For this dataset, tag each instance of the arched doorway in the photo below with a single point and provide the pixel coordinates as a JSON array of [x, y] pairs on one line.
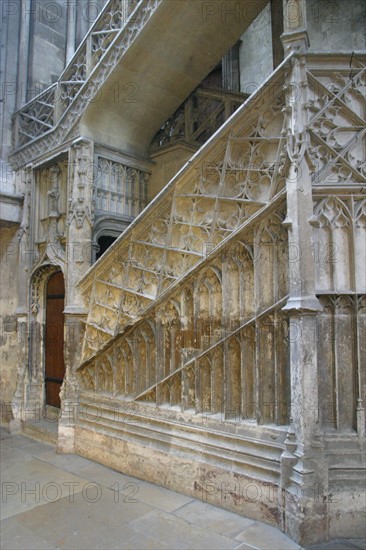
[[54, 338]]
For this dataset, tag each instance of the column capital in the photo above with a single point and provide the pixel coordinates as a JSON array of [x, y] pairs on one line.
[[303, 305]]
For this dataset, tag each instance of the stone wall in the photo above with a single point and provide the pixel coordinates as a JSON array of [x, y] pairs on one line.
[[332, 26], [255, 52], [9, 36], [47, 46], [57, 28], [8, 320], [336, 25]]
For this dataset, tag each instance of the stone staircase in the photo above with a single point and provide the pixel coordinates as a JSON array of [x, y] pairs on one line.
[[190, 358], [141, 301], [43, 113], [223, 186], [188, 283], [99, 77]]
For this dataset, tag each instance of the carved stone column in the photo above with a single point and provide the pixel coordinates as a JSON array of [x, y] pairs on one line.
[[80, 218], [79, 254], [25, 255], [304, 472]]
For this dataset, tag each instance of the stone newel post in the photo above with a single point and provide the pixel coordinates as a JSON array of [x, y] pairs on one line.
[[303, 467]]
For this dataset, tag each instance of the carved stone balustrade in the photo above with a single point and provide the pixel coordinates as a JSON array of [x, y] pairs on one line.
[[198, 118]]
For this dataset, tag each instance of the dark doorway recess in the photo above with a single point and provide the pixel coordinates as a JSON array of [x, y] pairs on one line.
[[104, 243], [55, 367]]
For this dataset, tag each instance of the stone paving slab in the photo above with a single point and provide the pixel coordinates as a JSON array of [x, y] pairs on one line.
[[28, 444], [27, 468], [266, 537], [214, 519], [88, 521], [14, 535], [176, 533], [16, 455], [104, 476], [20, 494], [358, 543], [70, 463], [158, 497], [341, 544], [144, 542], [133, 488]]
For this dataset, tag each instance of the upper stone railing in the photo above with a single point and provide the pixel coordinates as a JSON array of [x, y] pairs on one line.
[[198, 117], [50, 109], [36, 118]]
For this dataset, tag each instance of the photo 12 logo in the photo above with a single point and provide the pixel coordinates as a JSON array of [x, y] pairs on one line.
[[49, 12], [230, 11], [51, 491]]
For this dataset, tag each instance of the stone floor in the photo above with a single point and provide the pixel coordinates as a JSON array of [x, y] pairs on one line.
[[66, 501]]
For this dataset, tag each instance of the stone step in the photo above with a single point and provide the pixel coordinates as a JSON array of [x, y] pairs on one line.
[[51, 414], [43, 429]]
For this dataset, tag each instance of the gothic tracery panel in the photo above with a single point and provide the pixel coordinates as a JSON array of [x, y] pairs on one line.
[[120, 189], [209, 308], [339, 244], [337, 113], [341, 360], [271, 261]]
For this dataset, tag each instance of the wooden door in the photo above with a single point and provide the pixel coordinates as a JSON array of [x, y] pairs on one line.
[[55, 368]]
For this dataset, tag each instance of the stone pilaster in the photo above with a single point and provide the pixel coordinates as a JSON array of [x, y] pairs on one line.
[[79, 255], [25, 257], [74, 330], [304, 473], [23, 64], [80, 219]]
